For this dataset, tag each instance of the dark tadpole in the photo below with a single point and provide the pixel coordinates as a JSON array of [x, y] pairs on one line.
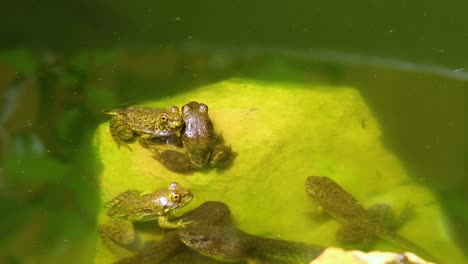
[[170, 249]]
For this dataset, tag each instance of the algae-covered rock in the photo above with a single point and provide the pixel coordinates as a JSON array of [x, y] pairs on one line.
[[283, 133]]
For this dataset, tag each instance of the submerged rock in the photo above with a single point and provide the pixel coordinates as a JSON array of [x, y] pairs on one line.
[[282, 133]]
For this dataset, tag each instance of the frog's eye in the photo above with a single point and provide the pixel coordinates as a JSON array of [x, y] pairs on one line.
[[164, 118], [203, 108], [174, 109], [175, 197]]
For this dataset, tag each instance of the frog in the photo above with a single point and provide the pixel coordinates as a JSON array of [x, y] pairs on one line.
[[202, 146], [360, 224], [144, 122], [135, 206], [170, 248]]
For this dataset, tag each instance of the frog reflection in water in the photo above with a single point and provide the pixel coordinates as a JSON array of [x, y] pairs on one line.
[[202, 146], [134, 206], [148, 123], [360, 224]]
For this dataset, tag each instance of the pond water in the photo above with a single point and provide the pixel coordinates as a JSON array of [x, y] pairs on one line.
[[371, 94], [387, 131]]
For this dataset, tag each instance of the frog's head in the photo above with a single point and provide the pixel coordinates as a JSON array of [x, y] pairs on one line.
[[170, 121], [176, 197], [161, 202], [194, 108]]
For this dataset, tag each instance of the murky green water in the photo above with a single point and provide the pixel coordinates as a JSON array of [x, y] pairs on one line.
[[53, 177], [313, 90]]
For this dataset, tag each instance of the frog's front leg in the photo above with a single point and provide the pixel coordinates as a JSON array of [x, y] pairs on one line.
[[149, 141], [165, 223], [117, 234], [145, 140], [120, 131]]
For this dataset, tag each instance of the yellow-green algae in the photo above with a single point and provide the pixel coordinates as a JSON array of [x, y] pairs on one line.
[[282, 134]]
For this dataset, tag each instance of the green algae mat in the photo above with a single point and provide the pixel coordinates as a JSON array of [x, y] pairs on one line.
[[283, 133]]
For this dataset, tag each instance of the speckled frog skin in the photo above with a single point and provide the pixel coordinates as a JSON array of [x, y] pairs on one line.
[[201, 144], [147, 123], [134, 206], [199, 137], [359, 223]]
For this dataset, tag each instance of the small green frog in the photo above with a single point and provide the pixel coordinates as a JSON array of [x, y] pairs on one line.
[[147, 123], [170, 249], [135, 206], [359, 224], [202, 146]]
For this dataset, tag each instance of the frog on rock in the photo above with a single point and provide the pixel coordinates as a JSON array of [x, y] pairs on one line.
[[147, 123], [135, 206], [202, 146]]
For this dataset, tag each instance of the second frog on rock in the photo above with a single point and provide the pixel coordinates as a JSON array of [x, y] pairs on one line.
[[202, 146]]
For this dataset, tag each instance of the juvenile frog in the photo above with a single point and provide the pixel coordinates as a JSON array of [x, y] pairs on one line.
[[359, 223], [202, 146], [147, 123], [170, 249], [134, 206]]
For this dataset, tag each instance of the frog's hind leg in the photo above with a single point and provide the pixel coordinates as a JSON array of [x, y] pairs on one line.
[[118, 235], [120, 132], [222, 157]]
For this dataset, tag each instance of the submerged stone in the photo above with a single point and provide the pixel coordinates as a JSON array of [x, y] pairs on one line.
[[283, 133]]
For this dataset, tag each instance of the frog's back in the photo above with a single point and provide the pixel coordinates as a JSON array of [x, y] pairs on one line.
[[141, 118], [123, 209], [121, 205], [135, 206]]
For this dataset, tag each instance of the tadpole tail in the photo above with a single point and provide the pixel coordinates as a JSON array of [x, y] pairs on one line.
[[405, 244], [283, 251]]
